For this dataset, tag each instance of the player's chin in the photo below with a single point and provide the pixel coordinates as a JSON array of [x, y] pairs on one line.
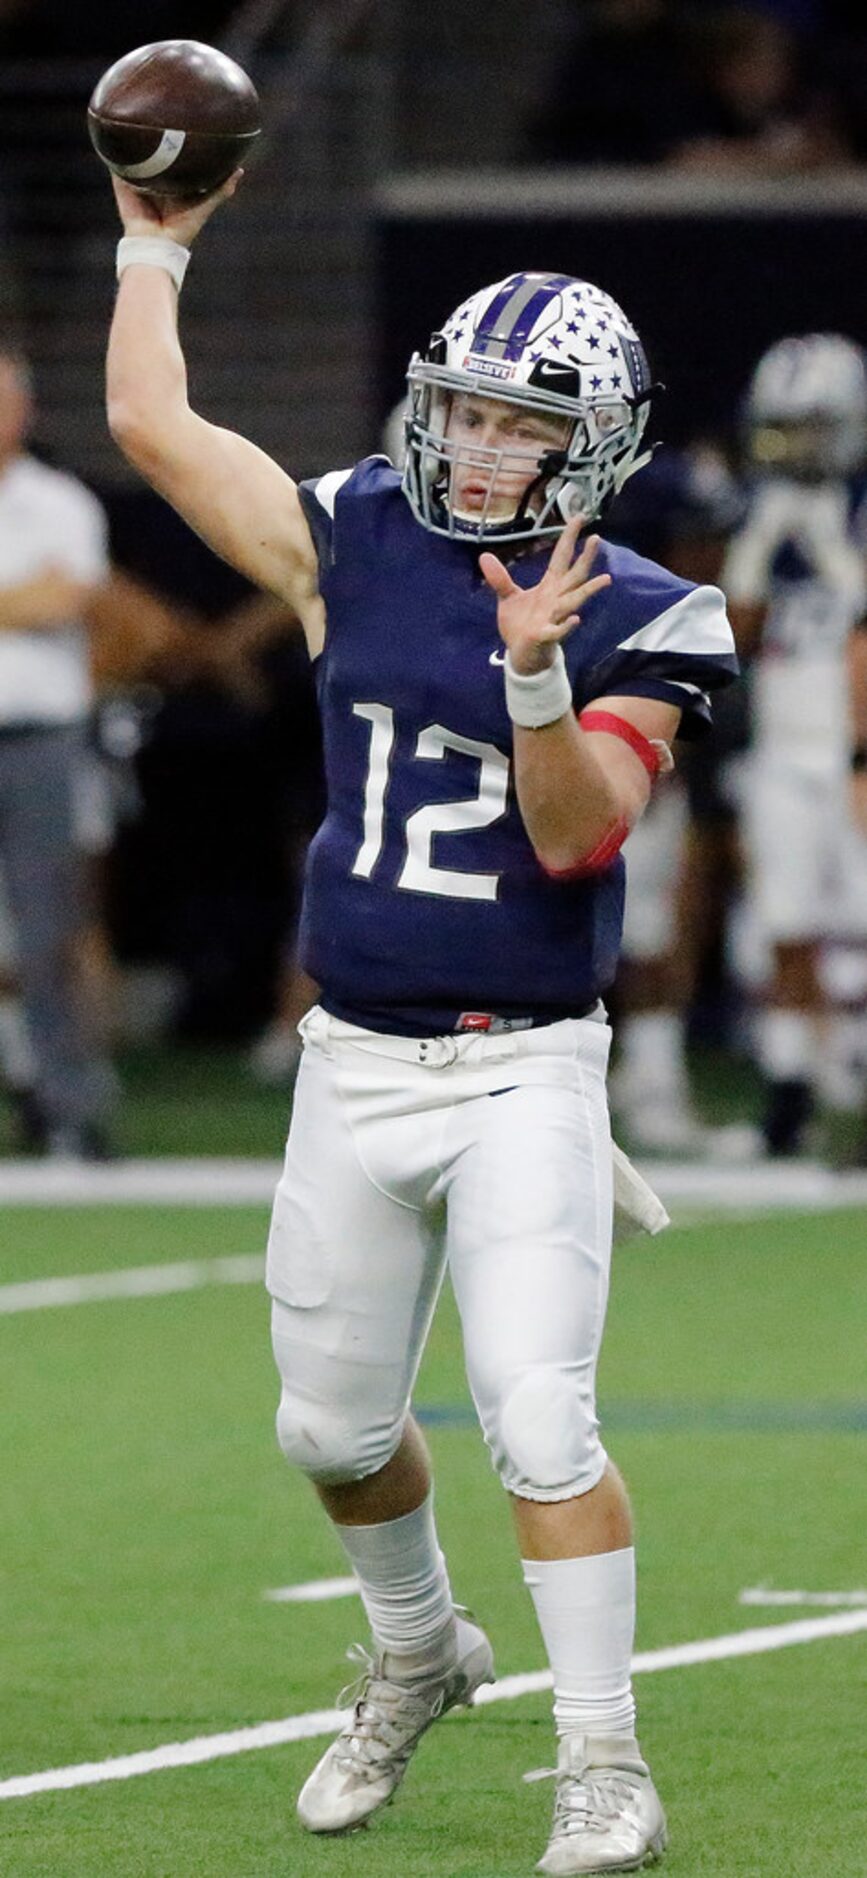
[[495, 505]]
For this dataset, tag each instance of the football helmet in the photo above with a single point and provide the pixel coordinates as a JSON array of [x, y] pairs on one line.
[[558, 346], [806, 409]]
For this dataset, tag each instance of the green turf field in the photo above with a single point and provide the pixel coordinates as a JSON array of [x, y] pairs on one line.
[[145, 1509], [187, 1100]]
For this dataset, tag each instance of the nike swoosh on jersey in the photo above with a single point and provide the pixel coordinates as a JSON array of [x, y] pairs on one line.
[[497, 658]]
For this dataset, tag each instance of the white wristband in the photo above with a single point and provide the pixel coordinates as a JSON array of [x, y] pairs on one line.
[[153, 251], [534, 699]]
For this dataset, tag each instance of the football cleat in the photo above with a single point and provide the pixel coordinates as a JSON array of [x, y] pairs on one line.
[[363, 1768], [607, 1814]]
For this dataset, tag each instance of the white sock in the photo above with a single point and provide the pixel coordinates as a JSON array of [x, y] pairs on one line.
[[586, 1613], [652, 1051], [405, 1590], [787, 1045], [16, 1050]]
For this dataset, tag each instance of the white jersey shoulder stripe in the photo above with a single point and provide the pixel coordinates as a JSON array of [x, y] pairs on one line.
[[327, 489], [697, 624], [694, 693]]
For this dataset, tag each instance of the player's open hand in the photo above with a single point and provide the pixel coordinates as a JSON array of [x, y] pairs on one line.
[[181, 221], [533, 620]]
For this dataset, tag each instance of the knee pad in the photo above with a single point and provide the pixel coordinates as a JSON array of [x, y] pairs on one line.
[[548, 1446], [326, 1446]]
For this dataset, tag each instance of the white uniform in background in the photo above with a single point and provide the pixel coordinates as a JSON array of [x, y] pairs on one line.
[[802, 554], [48, 522], [802, 842], [47, 519], [649, 1088], [698, 501]]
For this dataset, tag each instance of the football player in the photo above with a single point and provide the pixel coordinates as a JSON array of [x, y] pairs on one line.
[[497, 698], [795, 579], [679, 857]]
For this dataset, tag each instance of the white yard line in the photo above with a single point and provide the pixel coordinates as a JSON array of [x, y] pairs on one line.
[[137, 1281], [318, 1591], [767, 1600], [324, 1590], [753, 1187], [195, 1752], [757, 1187], [202, 1182], [744, 1192]]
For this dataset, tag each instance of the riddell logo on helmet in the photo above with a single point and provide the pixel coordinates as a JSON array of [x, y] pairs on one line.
[[488, 368]]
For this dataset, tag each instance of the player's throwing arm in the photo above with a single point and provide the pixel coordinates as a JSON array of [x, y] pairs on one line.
[[230, 492]]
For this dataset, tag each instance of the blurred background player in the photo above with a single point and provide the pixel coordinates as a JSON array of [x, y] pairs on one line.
[[795, 579], [53, 552], [87, 653], [682, 861]]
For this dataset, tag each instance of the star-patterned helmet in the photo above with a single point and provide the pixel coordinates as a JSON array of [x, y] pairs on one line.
[[806, 408], [564, 349]]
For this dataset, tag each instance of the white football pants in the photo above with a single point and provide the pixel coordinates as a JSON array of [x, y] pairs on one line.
[[492, 1152], [808, 860]]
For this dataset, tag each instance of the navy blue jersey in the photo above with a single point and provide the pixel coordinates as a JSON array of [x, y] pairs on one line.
[[424, 898]]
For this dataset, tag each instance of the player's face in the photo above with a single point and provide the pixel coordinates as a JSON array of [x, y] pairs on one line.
[[793, 447], [497, 446]]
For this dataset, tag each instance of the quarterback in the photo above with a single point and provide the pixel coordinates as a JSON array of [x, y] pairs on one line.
[[498, 693]]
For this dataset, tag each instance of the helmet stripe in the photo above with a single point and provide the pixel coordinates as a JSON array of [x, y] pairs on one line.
[[504, 328]]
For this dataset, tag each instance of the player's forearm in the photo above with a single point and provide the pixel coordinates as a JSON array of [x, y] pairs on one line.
[[569, 803], [40, 605], [146, 377], [255, 622]]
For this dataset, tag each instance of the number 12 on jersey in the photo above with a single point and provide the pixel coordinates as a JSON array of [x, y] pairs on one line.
[[418, 874]]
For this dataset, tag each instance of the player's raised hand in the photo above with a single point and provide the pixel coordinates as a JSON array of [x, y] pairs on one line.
[[181, 221], [533, 620]]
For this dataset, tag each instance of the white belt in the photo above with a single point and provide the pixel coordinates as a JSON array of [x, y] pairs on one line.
[[433, 1052], [428, 1052]]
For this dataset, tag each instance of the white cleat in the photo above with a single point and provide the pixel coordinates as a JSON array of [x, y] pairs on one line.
[[607, 1814], [363, 1768]]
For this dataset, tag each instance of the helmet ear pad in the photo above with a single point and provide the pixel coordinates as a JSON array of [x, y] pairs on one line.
[[570, 503]]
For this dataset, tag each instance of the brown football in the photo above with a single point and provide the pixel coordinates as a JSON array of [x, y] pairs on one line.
[[175, 118]]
